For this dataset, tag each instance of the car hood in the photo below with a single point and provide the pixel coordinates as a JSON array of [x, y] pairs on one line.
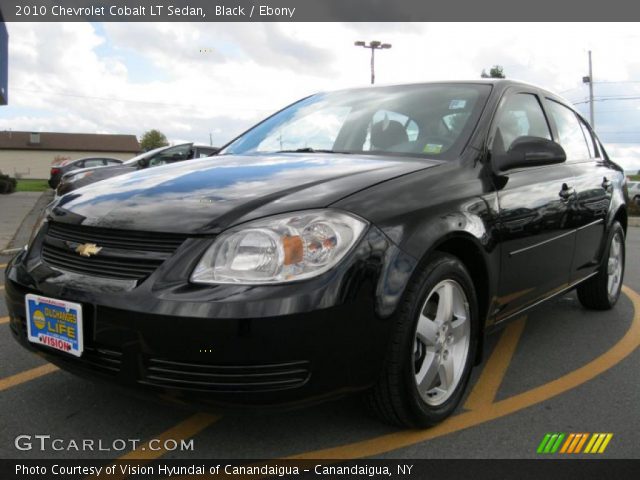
[[208, 195]]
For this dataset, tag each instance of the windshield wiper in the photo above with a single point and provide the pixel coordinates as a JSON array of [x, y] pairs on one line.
[[311, 150]]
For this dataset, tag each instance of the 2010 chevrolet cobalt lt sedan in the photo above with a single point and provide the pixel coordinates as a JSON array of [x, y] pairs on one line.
[[362, 240]]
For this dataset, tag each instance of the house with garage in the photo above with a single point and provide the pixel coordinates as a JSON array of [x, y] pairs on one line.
[[31, 154]]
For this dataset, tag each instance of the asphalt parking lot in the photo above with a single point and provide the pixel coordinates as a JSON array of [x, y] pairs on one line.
[[559, 369]]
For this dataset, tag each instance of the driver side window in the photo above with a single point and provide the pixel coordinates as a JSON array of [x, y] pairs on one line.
[[520, 116]]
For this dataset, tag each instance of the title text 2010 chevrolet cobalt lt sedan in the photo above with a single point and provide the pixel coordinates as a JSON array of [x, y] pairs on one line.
[[361, 240]]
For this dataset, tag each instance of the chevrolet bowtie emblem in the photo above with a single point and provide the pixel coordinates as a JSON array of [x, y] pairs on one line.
[[88, 249]]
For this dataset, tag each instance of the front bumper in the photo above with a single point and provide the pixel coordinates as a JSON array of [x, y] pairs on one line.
[[226, 345]]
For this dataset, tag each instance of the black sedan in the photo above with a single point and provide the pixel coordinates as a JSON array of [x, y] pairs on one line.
[[152, 158], [59, 170], [362, 240]]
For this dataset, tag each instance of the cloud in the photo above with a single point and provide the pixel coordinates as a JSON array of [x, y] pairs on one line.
[[191, 79], [625, 155]]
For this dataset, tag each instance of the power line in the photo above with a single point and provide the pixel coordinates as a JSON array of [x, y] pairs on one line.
[[109, 99], [617, 81], [122, 100], [608, 99], [602, 82], [618, 110]]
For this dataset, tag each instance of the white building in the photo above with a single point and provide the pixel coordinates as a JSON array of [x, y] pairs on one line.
[[30, 155]]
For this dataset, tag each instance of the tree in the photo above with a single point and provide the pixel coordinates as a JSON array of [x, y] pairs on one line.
[[495, 72], [153, 139]]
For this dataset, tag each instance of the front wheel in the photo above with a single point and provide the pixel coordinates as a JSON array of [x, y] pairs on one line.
[[431, 354], [601, 292]]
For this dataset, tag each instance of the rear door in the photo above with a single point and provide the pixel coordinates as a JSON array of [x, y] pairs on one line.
[[536, 239], [593, 184]]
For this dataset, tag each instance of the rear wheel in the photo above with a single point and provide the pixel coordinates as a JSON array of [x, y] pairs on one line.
[[601, 292], [431, 354]]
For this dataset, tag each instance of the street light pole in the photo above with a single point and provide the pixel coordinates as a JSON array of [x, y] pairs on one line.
[[373, 68], [373, 46], [591, 113], [589, 80]]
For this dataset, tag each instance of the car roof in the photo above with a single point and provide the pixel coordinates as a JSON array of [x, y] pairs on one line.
[[93, 158], [500, 84]]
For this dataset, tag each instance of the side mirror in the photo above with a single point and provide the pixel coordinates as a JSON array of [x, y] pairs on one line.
[[529, 152]]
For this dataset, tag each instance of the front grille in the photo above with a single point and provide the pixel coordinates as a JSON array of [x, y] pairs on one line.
[[120, 239], [98, 359], [226, 378], [127, 255], [102, 266]]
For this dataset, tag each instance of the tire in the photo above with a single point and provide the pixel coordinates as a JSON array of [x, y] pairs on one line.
[[601, 292], [411, 357]]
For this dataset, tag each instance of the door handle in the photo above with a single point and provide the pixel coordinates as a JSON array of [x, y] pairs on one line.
[[567, 192], [606, 183]]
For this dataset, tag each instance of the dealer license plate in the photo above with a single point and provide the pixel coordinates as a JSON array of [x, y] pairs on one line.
[[55, 323]]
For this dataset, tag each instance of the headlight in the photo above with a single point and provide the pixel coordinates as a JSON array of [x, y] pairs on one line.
[[280, 249]]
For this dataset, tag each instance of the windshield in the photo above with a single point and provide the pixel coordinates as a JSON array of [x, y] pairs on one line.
[[431, 120]]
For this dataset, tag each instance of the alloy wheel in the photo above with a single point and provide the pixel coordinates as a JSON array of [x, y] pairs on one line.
[[441, 342], [614, 265]]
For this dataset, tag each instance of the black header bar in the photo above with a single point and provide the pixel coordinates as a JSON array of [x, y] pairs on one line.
[[317, 10]]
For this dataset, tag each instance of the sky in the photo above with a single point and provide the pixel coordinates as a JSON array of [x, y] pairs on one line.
[[202, 81]]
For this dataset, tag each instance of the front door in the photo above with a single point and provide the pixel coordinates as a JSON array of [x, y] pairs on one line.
[[536, 237]]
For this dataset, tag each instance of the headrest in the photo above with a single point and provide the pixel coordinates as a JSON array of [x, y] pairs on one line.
[[387, 133]]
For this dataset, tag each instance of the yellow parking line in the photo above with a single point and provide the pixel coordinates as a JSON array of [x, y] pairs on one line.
[[182, 431], [4, 320], [26, 376], [2, 265], [485, 390], [405, 438], [394, 441], [185, 429], [1, 287]]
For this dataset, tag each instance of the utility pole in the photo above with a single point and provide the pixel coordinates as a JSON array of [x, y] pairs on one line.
[[210, 140], [373, 46], [589, 80]]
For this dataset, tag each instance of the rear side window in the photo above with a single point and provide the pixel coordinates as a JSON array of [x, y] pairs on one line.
[[570, 133], [591, 144], [520, 116], [94, 162]]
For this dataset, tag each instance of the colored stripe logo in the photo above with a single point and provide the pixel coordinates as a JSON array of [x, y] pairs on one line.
[[574, 443]]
